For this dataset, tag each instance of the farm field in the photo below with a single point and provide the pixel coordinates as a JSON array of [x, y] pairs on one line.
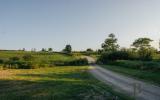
[[56, 83]]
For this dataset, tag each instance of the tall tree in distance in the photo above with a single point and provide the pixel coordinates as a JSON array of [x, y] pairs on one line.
[[43, 50], [143, 47], [110, 44], [68, 49], [50, 49]]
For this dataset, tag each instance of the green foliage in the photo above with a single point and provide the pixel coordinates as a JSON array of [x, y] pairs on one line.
[[89, 51], [113, 56], [1, 61], [144, 49], [142, 43], [140, 65], [146, 75], [50, 49], [14, 58], [110, 44], [27, 57], [19, 59], [67, 49], [43, 50], [76, 62]]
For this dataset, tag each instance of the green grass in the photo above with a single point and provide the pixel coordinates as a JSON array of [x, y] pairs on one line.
[[38, 55], [57, 83], [39, 58], [146, 75]]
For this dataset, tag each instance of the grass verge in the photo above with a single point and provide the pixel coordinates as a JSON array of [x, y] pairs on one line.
[[145, 75]]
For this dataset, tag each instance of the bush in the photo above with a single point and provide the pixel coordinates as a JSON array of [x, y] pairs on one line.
[[141, 65], [25, 65], [27, 57], [76, 62], [113, 56], [1, 61], [18, 64], [146, 54], [14, 58]]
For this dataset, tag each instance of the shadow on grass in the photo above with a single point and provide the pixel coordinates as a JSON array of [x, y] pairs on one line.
[[69, 86]]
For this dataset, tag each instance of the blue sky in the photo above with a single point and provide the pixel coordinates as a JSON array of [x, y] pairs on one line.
[[81, 23]]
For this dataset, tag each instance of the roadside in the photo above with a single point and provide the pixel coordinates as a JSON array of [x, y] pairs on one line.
[[146, 76], [140, 90]]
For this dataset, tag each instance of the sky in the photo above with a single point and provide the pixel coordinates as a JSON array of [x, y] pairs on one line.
[[81, 23]]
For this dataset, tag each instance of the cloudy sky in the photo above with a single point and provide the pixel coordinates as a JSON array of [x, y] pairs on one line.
[[81, 23]]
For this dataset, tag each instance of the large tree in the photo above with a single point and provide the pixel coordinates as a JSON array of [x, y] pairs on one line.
[[143, 47], [110, 44], [142, 43]]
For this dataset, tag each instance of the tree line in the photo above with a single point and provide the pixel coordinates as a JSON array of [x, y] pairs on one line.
[[140, 49]]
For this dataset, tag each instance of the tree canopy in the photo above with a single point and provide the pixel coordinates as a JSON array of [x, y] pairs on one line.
[[68, 49], [110, 44]]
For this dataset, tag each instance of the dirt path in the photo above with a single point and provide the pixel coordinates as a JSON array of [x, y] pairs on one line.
[[142, 90], [139, 89]]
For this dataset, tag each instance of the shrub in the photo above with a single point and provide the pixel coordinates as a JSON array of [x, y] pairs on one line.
[[14, 58], [25, 65], [141, 65], [12, 64], [27, 57], [113, 56], [1, 61], [76, 62]]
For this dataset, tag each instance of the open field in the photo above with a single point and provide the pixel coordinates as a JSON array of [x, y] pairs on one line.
[[26, 59], [39, 56], [57, 83]]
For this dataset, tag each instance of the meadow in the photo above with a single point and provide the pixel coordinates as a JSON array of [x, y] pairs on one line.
[[28, 59], [56, 83], [48, 81]]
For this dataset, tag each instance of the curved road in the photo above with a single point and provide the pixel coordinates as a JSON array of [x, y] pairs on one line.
[[139, 89]]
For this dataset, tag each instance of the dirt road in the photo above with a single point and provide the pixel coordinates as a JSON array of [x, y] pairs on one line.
[[139, 89], [133, 87]]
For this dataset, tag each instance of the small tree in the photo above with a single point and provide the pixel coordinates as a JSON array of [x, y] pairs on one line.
[[50, 49], [110, 44], [67, 49], [89, 51], [43, 50], [23, 49]]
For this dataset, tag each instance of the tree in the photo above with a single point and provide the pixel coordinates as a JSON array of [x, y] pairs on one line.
[[142, 43], [143, 47], [110, 44], [23, 49], [89, 50], [67, 49], [43, 50], [50, 49]]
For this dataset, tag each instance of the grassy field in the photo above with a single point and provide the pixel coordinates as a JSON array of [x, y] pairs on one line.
[[39, 56], [57, 83], [37, 59], [146, 75]]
